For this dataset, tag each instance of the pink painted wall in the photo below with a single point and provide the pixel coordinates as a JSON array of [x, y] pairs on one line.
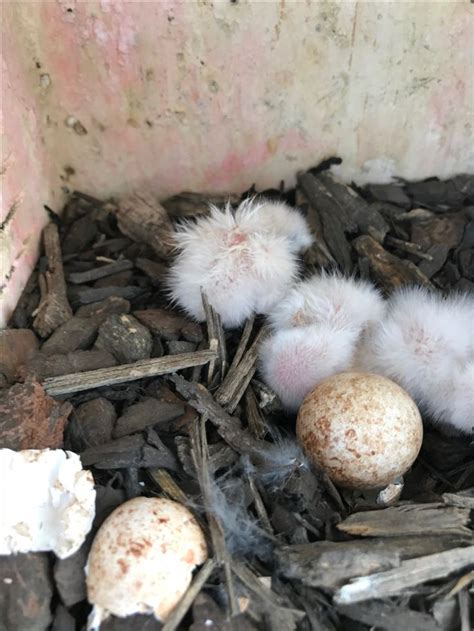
[[171, 95]]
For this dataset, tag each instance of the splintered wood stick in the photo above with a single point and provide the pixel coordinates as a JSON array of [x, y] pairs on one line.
[[410, 573], [187, 600], [239, 376], [54, 308], [77, 382], [409, 519], [216, 338]]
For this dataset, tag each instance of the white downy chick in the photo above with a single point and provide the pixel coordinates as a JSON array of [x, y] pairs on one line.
[[426, 344], [293, 361], [331, 299], [278, 218], [47, 501], [244, 261]]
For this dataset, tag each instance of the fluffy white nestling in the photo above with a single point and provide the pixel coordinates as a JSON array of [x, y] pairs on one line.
[[426, 344], [293, 361], [317, 328], [244, 261], [279, 218], [329, 298]]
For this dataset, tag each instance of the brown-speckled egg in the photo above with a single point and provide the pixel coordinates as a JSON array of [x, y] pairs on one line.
[[142, 559], [362, 429]]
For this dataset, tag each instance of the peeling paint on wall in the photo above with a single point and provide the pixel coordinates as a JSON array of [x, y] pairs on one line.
[[207, 95]]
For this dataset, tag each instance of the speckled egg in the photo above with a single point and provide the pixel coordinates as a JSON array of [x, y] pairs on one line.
[[361, 428], [142, 559]]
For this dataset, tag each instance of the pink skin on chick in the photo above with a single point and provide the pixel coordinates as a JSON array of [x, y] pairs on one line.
[[294, 361], [242, 261], [426, 344]]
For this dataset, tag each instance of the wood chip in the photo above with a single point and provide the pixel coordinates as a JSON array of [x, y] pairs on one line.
[[464, 499], [100, 272], [75, 334], [229, 427], [103, 308], [125, 337], [407, 246], [17, 347], [239, 376], [359, 214], [390, 271], [330, 564], [30, 419], [54, 308], [169, 325], [389, 617], [409, 519], [78, 382], [333, 219], [410, 574], [142, 218], [189, 204], [156, 272], [86, 295], [145, 413], [45, 366]]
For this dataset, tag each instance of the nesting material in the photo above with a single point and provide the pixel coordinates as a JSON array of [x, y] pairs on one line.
[[363, 429], [317, 328], [426, 344], [142, 559], [244, 261], [47, 501]]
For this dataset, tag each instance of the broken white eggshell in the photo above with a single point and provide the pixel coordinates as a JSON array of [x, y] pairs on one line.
[[47, 501], [364, 430], [142, 559]]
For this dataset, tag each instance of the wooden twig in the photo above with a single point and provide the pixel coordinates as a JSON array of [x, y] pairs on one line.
[[201, 455], [464, 499], [408, 246], [390, 271], [127, 372], [244, 340], [100, 272], [229, 427], [252, 582], [464, 601], [216, 340], [334, 218], [168, 485], [390, 617], [254, 418], [142, 218], [330, 564], [187, 600], [410, 573], [239, 376], [409, 519], [260, 506], [54, 308]]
